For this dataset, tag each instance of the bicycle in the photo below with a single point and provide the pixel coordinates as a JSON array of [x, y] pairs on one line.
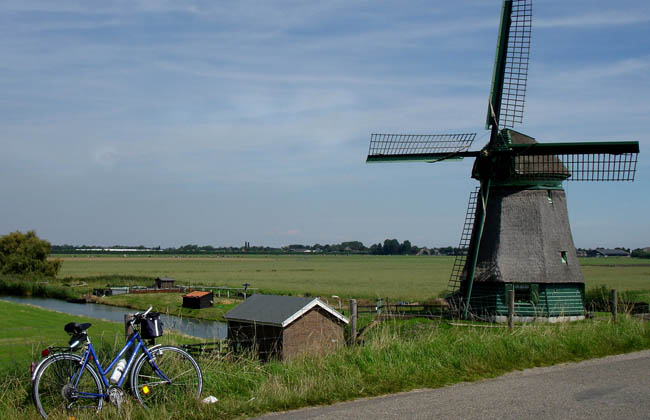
[[65, 381]]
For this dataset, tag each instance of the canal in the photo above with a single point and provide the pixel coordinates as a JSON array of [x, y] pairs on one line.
[[195, 327]]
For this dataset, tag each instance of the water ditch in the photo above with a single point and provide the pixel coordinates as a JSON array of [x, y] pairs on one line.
[[195, 327]]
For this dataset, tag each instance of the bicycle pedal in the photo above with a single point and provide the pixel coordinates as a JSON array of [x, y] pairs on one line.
[[116, 396]]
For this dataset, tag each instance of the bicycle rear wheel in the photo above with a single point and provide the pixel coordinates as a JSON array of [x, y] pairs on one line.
[[184, 374], [53, 391]]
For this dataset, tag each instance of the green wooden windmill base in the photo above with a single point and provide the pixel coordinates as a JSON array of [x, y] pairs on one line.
[[532, 301]]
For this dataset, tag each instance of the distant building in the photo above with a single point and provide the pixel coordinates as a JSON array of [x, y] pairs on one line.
[[118, 290], [423, 251], [605, 252], [165, 283], [198, 300], [284, 326]]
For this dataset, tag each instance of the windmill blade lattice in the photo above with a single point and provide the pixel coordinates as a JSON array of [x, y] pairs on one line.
[[428, 147], [576, 161], [516, 67], [577, 167]]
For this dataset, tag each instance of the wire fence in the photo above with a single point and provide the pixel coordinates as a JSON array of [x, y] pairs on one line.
[[219, 291]]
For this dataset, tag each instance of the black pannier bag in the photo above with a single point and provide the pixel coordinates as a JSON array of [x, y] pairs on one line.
[[151, 326]]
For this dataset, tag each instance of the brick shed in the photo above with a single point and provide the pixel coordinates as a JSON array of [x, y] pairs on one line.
[[198, 300], [284, 326]]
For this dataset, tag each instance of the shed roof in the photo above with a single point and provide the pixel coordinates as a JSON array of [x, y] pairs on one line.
[[277, 310], [165, 279], [196, 294]]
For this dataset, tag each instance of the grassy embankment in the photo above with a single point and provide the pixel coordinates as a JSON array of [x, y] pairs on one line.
[[396, 357], [28, 330]]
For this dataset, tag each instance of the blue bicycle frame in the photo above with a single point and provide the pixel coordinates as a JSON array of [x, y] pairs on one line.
[[134, 340]]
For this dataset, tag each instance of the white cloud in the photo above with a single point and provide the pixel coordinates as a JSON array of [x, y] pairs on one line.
[[106, 156], [608, 18]]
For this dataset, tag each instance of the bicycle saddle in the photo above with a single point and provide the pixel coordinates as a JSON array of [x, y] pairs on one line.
[[74, 328]]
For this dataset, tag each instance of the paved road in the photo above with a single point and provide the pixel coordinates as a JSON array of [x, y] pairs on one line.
[[615, 387]]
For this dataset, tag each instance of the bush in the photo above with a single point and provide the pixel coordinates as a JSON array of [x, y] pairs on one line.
[[26, 254]]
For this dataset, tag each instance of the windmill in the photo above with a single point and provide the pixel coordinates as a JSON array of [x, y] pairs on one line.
[[516, 234]]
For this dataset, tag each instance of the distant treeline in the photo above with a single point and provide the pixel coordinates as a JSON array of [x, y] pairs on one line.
[[388, 247]]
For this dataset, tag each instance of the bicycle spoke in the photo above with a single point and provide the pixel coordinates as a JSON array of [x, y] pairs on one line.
[[181, 374], [54, 391], [173, 363]]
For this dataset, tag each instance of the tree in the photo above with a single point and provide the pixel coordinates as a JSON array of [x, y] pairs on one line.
[[26, 253], [391, 247], [353, 245], [405, 247]]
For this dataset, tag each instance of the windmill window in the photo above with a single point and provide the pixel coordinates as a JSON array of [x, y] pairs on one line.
[[549, 196], [563, 256], [522, 292]]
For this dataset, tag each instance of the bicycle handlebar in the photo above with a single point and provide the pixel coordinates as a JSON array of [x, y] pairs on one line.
[[141, 315]]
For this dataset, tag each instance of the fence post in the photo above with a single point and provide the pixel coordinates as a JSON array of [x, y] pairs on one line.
[[128, 330], [353, 321], [614, 305], [511, 307]]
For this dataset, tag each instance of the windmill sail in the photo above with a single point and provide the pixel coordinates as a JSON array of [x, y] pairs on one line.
[[520, 159], [510, 75], [419, 147], [615, 161]]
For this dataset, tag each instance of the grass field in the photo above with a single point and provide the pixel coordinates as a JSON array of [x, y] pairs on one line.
[[365, 276]]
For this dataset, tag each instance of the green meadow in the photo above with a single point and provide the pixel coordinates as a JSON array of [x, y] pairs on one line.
[[360, 276]]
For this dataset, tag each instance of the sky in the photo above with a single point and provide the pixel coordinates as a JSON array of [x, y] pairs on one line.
[[164, 123]]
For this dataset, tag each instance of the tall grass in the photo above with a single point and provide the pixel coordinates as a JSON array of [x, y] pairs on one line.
[[34, 286], [599, 298], [397, 356]]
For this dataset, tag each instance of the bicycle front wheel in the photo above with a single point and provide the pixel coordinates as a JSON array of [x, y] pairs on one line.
[[54, 391], [171, 376]]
